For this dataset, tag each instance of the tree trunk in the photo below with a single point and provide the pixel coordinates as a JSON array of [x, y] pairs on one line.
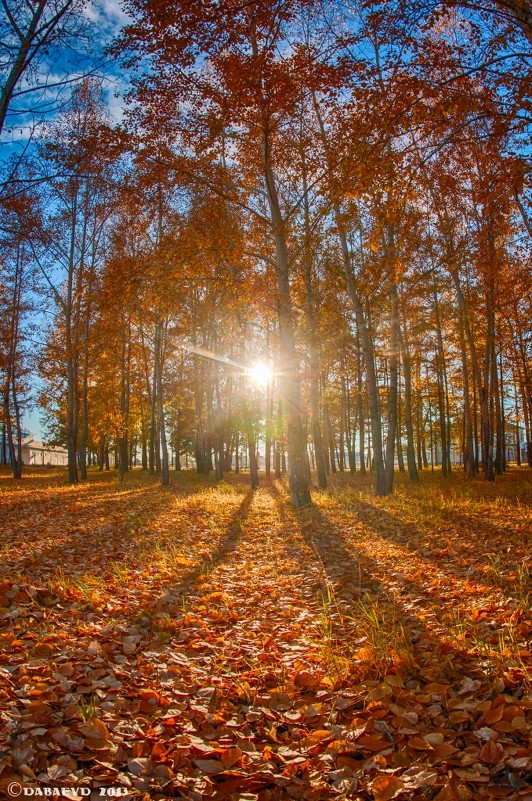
[[470, 466], [350, 430], [71, 355], [314, 366], [278, 440], [330, 437], [123, 462], [440, 371], [10, 399], [407, 374], [497, 391], [252, 446], [517, 422], [154, 461], [360, 414], [269, 431], [482, 379], [487, 400], [363, 333], [158, 362], [393, 389], [502, 414], [289, 380], [85, 404]]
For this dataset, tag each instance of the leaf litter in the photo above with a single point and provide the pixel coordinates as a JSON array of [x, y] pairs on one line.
[[207, 642]]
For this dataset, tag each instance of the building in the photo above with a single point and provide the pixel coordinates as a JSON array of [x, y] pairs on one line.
[[35, 453]]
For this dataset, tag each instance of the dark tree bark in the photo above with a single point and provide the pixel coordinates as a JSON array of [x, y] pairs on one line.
[[158, 370], [393, 389], [470, 465], [407, 374], [440, 379], [314, 378], [363, 331]]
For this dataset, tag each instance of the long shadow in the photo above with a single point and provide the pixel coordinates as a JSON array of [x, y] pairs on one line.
[[99, 505], [421, 617], [230, 539], [312, 527], [429, 545], [66, 525], [155, 617], [185, 584], [182, 584], [166, 596], [22, 497]]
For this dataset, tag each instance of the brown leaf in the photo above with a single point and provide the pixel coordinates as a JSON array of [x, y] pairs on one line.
[[494, 715], [446, 794], [371, 743], [139, 766], [209, 766], [417, 777], [491, 752], [95, 730], [316, 737], [419, 744]]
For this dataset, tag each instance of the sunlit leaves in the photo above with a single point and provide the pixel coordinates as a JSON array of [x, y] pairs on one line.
[[149, 644]]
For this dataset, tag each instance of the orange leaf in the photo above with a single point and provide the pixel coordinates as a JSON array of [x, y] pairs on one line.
[[230, 756], [420, 744], [446, 794], [315, 737], [494, 715], [386, 787], [95, 730], [347, 762], [372, 743]]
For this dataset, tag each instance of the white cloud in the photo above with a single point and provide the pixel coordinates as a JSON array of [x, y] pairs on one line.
[[115, 105], [108, 15]]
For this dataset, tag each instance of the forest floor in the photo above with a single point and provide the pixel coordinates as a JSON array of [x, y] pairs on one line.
[[205, 641]]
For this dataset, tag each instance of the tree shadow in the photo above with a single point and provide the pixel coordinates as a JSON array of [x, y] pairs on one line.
[[321, 536], [41, 525], [157, 615], [183, 584], [233, 533], [428, 615], [468, 558]]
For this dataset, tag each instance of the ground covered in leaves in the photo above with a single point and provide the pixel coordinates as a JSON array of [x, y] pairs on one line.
[[208, 642]]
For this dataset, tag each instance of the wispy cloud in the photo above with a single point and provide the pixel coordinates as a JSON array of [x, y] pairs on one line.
[[108, 15]]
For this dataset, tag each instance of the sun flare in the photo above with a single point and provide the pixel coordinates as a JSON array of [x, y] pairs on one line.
[[260, 374]]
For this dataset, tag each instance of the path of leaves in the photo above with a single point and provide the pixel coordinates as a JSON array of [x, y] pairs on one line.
[[209, 642]]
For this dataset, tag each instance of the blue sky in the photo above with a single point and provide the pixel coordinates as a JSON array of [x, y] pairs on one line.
[[39, 103]]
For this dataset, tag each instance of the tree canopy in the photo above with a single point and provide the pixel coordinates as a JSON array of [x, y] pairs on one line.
[[340, 191]]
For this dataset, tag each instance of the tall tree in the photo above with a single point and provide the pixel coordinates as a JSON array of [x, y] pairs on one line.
[[74, 234]]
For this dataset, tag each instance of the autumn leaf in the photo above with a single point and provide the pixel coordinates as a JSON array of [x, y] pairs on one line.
[[385, 788]]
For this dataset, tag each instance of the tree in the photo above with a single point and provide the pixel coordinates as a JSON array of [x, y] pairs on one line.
[[74, 234], [29, 33]]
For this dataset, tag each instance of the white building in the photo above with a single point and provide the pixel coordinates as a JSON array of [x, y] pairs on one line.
[[35, 453]]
